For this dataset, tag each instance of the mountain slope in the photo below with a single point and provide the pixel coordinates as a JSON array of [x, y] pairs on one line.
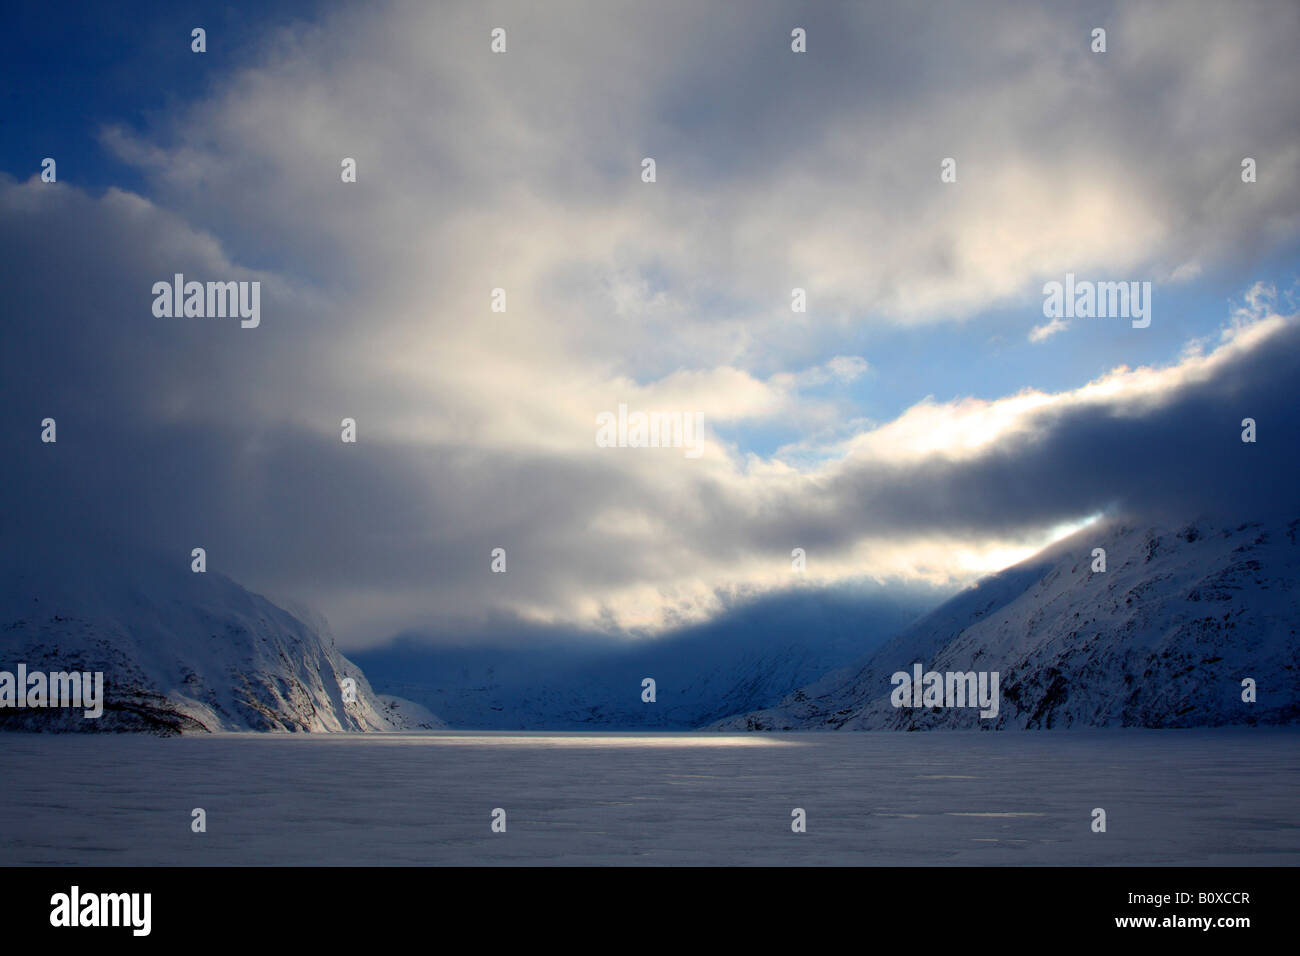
[[1162, 638], [180, 651]]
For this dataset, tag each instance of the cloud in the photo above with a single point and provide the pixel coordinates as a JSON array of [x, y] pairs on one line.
[[1041, 333], [473, 163], [521, 172], [162, 437]]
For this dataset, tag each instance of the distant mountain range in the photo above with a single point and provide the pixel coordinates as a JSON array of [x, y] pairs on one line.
[[1164, 637], [748, 657]]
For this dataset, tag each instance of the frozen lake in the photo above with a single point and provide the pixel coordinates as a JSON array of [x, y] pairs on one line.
[[1224, 797]]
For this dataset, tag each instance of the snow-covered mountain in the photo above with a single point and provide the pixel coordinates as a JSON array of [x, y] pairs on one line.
[[749, 657], [180, 651], [409, 715], [1163, 637]]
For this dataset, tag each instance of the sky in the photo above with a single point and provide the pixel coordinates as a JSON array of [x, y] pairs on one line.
[[922, 423]]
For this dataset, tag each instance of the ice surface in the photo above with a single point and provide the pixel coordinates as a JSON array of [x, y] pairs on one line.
[[1213, 797]]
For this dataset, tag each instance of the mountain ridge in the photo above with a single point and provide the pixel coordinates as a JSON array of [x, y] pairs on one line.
[[1163, 637]]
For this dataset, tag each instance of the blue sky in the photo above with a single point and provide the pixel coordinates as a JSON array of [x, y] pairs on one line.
[[978, 357], [877, 431], [70, 67]]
